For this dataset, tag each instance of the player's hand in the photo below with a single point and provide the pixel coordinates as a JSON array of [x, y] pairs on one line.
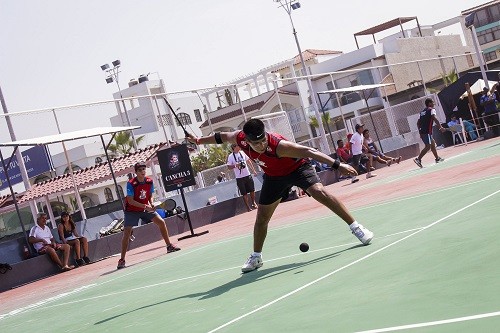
[[190, 137], [347, 170], [442, 129]]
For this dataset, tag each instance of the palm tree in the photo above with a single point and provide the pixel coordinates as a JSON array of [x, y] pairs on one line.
[[123, 143], [325, 119]]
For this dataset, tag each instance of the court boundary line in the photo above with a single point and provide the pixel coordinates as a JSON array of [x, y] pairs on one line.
[[160, 260], [293, 292], [433, 323]]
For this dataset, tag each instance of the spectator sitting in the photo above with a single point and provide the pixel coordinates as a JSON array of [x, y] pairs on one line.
[[43, 242], [468, 126], [343, 153], [372, 149], [69, 235]]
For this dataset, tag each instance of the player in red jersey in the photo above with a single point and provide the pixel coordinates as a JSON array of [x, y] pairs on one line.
[[139, 206], [285, 164]]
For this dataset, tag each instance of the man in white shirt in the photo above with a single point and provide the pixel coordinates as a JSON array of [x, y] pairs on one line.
[[239, 162], [44, 243], [357, 152]]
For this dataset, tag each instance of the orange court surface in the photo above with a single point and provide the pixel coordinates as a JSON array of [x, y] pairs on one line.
[[431, 267]]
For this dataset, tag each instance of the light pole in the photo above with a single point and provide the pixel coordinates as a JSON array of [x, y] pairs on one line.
[[469, 23], [112, 76], [288, 6]]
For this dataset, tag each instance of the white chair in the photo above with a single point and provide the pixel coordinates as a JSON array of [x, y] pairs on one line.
[[458, 130]]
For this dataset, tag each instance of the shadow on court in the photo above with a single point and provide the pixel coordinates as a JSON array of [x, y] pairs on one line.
[[242, 280]]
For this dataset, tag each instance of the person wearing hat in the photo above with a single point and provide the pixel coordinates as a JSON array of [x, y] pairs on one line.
[[240, 163], [424, 123], [357, 153], [285, 164], [69, 235], [490, 114], [139, 206]]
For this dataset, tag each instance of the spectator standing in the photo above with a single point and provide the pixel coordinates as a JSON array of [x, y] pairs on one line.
[[424, 123], [44, 243], [69, 235], [357, 152], [239, 162], [488, 102]]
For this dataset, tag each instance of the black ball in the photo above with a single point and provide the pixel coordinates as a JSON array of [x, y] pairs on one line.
[[304, 247]]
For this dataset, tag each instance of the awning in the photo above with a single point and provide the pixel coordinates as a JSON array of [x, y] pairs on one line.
[[356, 88]]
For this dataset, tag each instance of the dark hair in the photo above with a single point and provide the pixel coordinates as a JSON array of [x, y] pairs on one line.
[[139, 165], [71, 222], [428, 101], [254, 129], [340, 141], [366, 130]]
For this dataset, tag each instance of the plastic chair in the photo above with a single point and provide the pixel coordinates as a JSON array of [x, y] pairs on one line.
[[457, 130]]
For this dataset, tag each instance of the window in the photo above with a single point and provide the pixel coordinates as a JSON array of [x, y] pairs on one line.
[[120, 191], [108, 194], [164, 120], [197, 115], [184, 118], [490, 56], [488, 35]]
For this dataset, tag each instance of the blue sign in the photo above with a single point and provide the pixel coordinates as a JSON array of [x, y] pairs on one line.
[[35, 161]]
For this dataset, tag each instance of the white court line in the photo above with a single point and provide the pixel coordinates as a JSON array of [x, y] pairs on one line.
[[349, 265], [45, 302], [160, 260], [434, 323]]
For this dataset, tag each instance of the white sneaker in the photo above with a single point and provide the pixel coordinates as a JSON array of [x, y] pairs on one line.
[[253, 262], [370, 175], [364, 235]]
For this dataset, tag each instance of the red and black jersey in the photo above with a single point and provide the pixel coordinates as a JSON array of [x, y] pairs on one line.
[[269, 161], [142, 193], [425, 121]]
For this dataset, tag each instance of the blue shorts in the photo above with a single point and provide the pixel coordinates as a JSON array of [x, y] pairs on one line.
[[426, 138], [132, 218]]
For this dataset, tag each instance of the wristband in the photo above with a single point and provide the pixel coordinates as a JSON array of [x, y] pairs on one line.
[[217, 137], [336, 164]]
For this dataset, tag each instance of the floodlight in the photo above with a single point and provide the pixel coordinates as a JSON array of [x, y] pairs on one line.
[[104, 67], [109, 79], [469, 20], [295, 5], [116, 63]]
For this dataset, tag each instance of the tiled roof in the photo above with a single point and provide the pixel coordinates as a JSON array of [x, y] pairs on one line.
[[6, 200], [91, 175], [308, 55]]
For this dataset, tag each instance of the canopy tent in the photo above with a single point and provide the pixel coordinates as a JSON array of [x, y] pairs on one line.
[[450, 96], [477, 87], [60, 138], [361, 88]]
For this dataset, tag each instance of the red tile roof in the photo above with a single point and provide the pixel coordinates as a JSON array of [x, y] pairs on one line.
[[91, 175], [308, 55]]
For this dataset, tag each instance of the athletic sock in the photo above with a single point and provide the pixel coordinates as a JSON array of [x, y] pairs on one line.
[[257, 254], [354, 225]]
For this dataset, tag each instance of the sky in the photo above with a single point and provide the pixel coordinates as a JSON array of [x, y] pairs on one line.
[[51, 50]]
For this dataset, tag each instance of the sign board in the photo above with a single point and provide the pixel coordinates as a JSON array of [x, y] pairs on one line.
[[35, 161], [176, 169]]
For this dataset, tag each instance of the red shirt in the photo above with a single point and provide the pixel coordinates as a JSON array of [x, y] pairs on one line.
[[270, 162], [142, 193]]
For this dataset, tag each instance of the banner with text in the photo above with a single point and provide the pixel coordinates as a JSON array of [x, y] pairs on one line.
[[176, 169], [35, 161]]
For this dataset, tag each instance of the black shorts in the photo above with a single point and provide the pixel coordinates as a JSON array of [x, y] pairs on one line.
[[275, 188], [132, 218], [357, 159], [245, 184]]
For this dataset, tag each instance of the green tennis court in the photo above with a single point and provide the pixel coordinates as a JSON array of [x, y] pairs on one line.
[[432, 267]]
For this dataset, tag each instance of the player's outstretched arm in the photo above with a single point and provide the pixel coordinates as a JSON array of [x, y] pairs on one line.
[[216, 138]]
